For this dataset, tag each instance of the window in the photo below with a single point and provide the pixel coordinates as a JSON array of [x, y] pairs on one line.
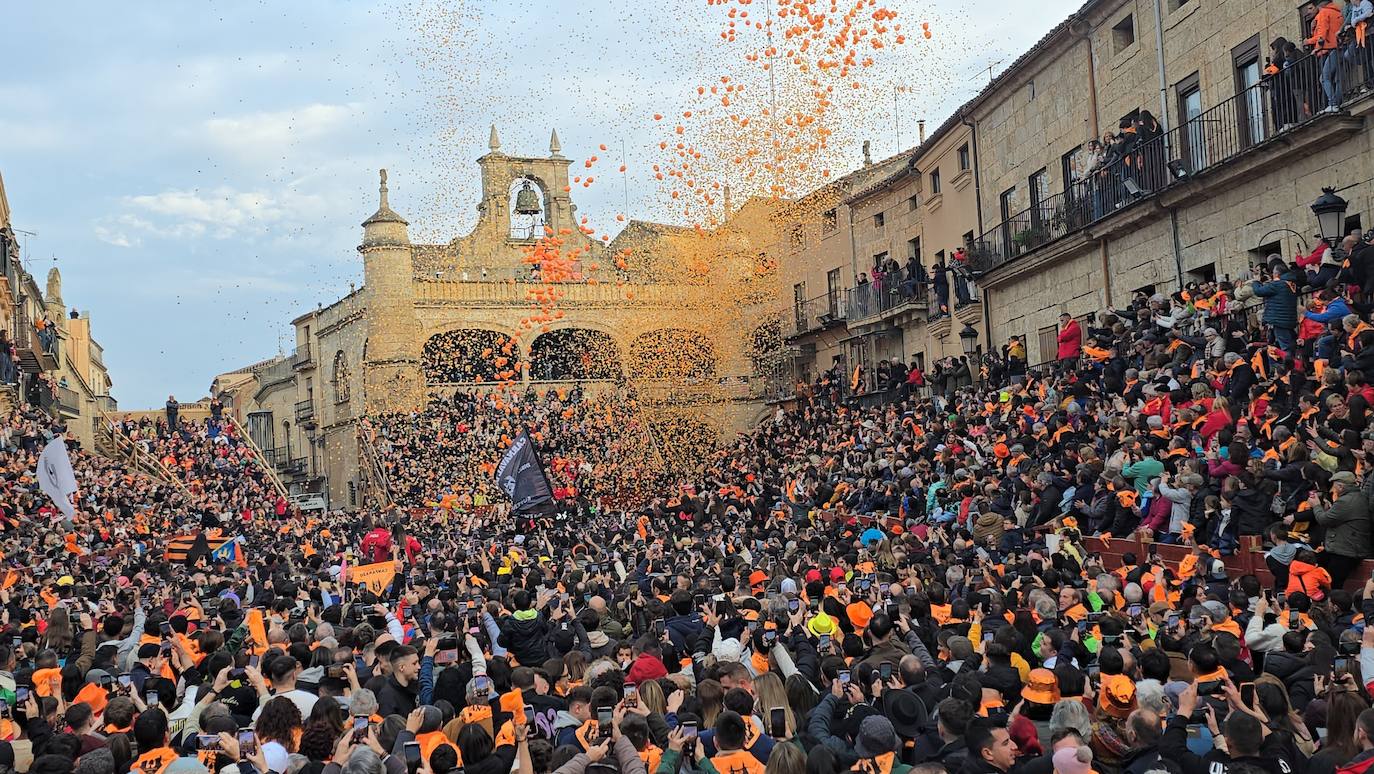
[[1352, 224], [879, 220], [1194, 137], [352, 493], [935, 183], [1206, 273], [1123, 34], [829, 221], [1039, 187], [913, 248], [968, 237], [799, 306], [939, 256], [832, 291], [1030, 90], [1248, 69], [964, 162], [340, 377], [1071, 167], [1007, 203], [1049, 343], [797, 237], [1174, 5], [912, 203]]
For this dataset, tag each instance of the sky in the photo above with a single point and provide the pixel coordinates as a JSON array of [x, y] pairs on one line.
[[198, 170]]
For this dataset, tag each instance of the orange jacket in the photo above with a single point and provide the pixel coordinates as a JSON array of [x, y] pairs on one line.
[[1325, 28], [1310, 579]]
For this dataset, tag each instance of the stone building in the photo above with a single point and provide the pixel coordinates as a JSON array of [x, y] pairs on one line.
[[60, 366], [1227, 179], [632, 313]]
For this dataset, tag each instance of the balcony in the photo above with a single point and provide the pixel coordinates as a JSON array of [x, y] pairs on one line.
[[874, 302], [69, 401], [300, 359], [815, 315], [106, 403], [305, 413], [1223, 145]]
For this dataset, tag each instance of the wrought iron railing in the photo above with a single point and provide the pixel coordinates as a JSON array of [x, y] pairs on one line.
[[305, 411], [301, 356], [816, 314], [874, 298], [1253, 117]]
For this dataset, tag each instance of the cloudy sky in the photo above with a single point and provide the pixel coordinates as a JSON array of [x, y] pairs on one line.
[[198, 170]]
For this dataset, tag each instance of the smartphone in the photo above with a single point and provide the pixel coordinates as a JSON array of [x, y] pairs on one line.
[[770, 636], [235, 673], [604, 721], [165, 628], [1094, 669], [529, 715], [447, 656], [631, 695], [359, 728], [412, 755], [1210, 687], [248, 741], [1173, 620], [843, 677], [1294, 620], [777, 722], [1247, 694], [885, 671], [18, 642], [988, 635], [21, 695], [793, 605], [151, 699], [1340, 665], [825, 642], [660, 626], [334, 670], [689, 730], [1133, 610], [481, 684], [253, 661], [462, 609], [207, 741]]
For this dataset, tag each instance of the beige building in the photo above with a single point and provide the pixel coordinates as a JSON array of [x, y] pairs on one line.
[[432, 318], [60, 366], [1229, 179]]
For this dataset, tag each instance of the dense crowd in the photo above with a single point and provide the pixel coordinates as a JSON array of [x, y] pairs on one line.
[[597, 448], [928, 582]]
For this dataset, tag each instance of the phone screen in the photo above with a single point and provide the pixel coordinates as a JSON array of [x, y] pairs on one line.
[[631, 695], [885, 671], [1247, 694], [844, 677], [359, 727], [207, 741], [248, 742], [151, 699], [825, 642], [777, 722], [689, 730], [412, 753]]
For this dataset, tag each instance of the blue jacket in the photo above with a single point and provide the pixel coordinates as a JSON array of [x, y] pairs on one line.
[[1334, 311], [1280, 302]]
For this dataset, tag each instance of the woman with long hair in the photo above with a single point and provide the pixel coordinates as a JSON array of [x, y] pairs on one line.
[[1343, 707], [479, 753], [651, 696], [1271, 698], [770, 693], [279, 729], [711, 695]]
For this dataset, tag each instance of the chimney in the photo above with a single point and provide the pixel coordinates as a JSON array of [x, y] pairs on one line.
[[921, 130], [868, 157]]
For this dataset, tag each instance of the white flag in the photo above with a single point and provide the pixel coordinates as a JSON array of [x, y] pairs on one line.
[[55, 476]]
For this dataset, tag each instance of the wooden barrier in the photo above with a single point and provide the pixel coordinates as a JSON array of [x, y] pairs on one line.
[[1247, 560]]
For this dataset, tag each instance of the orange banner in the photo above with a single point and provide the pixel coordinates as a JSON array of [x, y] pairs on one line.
[[374, 576]]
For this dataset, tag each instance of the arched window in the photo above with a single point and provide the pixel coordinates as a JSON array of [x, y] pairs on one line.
[[340, 377], [527, 225]]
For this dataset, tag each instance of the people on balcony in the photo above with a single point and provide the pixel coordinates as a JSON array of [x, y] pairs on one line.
[[1070, 340], [9, 358], [1325, 44], [940, 283]]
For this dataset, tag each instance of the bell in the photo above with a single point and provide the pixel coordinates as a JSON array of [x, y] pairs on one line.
[[527, 201]]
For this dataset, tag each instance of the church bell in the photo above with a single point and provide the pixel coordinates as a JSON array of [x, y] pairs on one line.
[[527, 201]]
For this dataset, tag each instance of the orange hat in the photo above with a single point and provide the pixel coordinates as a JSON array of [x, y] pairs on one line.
[[859, 614], [1042, 687], [43, 680], [94, 696], [758, 578], [1117, 696], [1001, 451]]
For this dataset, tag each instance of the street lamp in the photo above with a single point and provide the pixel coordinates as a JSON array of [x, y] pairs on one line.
[[1330, 211], [968, 337]]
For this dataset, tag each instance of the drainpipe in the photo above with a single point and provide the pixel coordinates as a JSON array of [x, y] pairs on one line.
[[1163, 80], [1081, 30], [978, 204]]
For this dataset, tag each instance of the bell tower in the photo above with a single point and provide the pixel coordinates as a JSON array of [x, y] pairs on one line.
[[511, 186], [391, 373]]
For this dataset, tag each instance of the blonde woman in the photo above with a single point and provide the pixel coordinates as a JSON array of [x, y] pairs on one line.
[[651, 696], [771, 693]]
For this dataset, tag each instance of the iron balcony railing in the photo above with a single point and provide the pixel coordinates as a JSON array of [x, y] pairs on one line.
[[305, 411], [816, 314], [301, 356], [1257, 115], [69, 399], [872, 299], [106, 403]]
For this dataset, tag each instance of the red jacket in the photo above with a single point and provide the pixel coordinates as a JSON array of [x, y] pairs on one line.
[[1070, 340], [376, 545]]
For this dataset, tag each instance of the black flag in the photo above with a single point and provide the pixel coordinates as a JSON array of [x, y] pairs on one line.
[[521, 477]]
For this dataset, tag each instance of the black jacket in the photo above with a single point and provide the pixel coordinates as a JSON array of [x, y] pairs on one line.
[[1174, 746], [527, 640], [396, 699]]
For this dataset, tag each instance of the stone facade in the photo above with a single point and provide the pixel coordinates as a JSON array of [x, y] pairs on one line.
[[366, 353]]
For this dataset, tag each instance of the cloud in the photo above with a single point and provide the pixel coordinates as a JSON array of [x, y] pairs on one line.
[[267, 133], [220, 213], [114, 236]]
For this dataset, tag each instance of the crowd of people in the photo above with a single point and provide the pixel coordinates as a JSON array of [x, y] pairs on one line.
[[934, 582]]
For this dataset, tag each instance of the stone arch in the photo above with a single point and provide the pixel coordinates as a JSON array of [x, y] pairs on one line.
[[339, 378], [575, 354], [470, 355], [674, 353]]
